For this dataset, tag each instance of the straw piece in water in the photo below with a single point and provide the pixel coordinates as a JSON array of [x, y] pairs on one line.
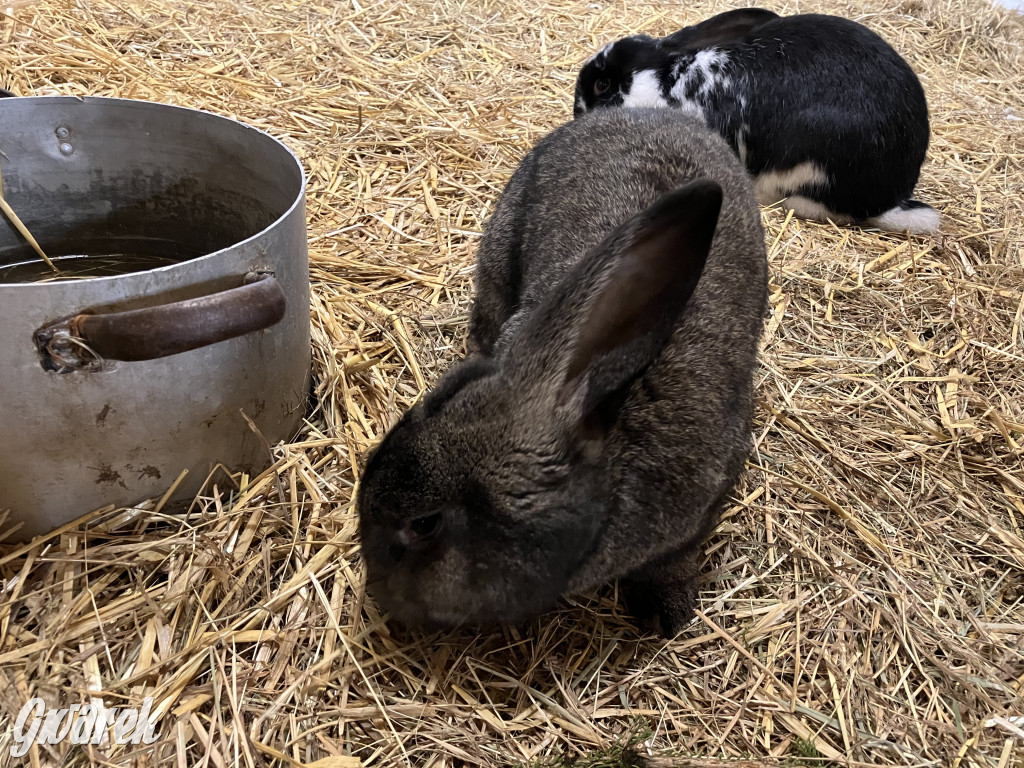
[[10, 214]]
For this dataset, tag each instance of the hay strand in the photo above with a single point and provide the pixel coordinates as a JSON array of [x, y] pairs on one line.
[[20, 226], [862, 601]]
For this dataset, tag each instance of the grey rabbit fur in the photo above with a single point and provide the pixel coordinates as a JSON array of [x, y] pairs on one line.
[[825, 114], [604, 411]]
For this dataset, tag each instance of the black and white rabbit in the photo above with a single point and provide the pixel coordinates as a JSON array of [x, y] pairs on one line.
[[604, 411], [825, 115]]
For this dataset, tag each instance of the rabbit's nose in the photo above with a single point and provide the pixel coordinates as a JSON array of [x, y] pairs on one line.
[[396, 551]]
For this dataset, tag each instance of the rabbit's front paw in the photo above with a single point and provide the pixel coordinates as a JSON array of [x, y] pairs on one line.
[[663, 594]]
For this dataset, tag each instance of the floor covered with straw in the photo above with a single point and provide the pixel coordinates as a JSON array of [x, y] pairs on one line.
[[863, 599]]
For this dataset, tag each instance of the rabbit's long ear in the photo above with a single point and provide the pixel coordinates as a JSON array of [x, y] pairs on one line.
[[728, 27], [613, 314]]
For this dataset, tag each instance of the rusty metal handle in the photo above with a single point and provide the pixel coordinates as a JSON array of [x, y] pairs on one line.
[[169, 329]]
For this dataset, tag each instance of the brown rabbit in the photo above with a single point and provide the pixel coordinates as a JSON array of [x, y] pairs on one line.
[[604, 412]]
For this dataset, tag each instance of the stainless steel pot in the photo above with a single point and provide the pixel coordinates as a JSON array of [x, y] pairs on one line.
[[111, 386]]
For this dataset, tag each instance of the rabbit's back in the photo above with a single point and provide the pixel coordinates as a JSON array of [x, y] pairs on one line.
[[683, 434], [828, 94], [825, 73], [588, 177]]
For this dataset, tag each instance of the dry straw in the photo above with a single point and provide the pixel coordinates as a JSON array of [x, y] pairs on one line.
[[9, 212], [863, 597]]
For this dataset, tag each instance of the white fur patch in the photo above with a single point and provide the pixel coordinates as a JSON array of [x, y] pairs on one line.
[[645, 91], [709, 67], [692, 108], [741, 143], [772, 186], [805, 208], [581, 104], [704, 62], [918, 221]]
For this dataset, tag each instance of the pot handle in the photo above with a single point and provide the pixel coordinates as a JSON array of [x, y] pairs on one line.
[[86, 339]]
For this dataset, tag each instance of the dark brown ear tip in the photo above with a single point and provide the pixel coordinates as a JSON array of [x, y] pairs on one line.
[[696, 199], [707, 190], [702, 187]]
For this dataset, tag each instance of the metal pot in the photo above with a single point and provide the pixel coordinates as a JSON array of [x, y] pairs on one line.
[[111, 386]]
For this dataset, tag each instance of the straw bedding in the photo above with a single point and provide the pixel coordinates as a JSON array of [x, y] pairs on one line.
[[863, 601]]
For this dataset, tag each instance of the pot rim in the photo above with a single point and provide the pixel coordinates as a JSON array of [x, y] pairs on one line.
[[299, 200]]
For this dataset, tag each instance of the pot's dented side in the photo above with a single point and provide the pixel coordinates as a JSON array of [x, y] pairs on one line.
[[226, 201]]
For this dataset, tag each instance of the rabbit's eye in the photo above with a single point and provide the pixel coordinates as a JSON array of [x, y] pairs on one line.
[[601, 86], [419, 534], [426, 526]]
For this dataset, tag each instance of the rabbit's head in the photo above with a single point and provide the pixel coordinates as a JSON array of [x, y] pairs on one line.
[[484, 499], [637, 71], [607, 77]]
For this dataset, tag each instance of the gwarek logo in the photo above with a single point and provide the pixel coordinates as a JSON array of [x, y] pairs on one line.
[[82, 725]]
